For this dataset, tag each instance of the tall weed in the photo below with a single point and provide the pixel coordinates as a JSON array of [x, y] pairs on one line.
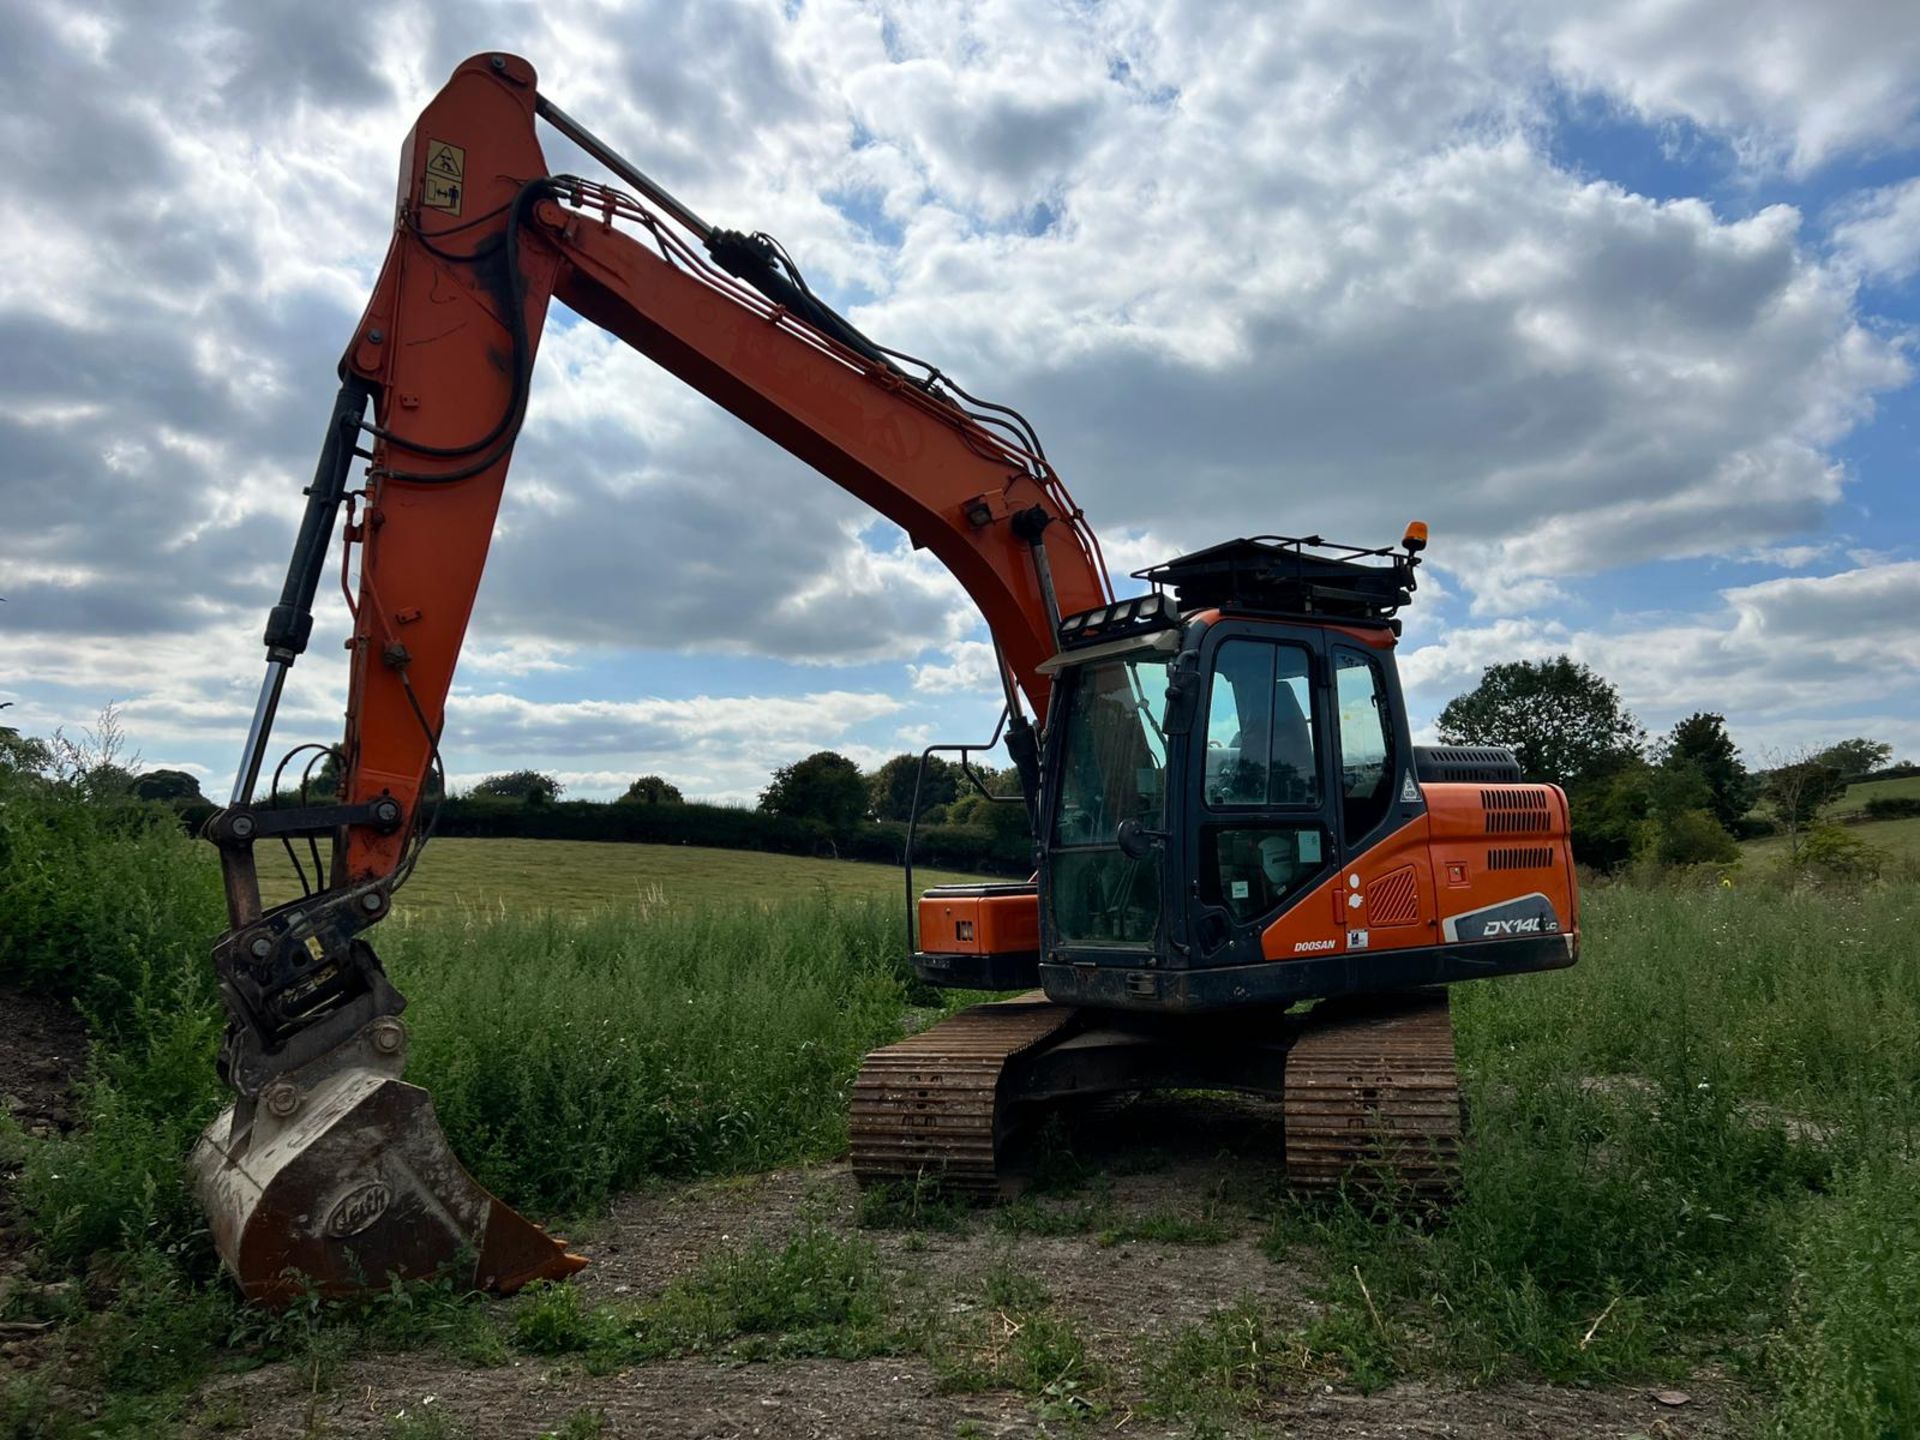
[[1701, 1142], [100, 899], [1848, 1358], [1694, 1140], [569, 1059]]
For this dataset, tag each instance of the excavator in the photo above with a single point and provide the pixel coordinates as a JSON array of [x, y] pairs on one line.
[[1246, 875]]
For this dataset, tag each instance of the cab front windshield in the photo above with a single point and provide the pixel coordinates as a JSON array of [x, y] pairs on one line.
[[1113, 766]]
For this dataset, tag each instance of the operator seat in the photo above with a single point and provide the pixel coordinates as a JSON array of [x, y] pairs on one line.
[[1292, 750]]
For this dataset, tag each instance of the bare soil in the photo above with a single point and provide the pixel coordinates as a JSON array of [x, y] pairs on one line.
[[43, 1045], [1199, 1158], [892, 1400]]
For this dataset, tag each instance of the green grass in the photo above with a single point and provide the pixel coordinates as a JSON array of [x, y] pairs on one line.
[[1857, 794], [818, 1294], [1702, 1145], [1688, 1148], [1009, 1337], [1230, 1364], [492, 878], [570, 1058], [1900, 839]]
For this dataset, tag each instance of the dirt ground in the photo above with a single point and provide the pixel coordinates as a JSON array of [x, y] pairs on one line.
[[42, 1047], [1191, 1156], [895, 1400]]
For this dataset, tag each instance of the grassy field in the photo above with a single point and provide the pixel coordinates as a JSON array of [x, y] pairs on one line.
[[1899, 839], [474, 877], [1699, 1147], [1907, 787]]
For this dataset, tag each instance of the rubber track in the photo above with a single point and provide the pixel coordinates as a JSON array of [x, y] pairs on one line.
[[928, 1107], [1372, 1093]]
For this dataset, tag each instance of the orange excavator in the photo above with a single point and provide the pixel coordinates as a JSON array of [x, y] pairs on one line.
[[1230, 819]]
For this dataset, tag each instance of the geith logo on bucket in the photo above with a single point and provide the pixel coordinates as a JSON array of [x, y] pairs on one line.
[[359, 1208]]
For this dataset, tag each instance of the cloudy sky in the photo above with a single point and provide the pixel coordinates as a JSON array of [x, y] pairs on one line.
[[1622, 302]]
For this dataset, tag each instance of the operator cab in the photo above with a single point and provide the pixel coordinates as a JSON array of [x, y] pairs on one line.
[[1228, 780], [1209, 776]]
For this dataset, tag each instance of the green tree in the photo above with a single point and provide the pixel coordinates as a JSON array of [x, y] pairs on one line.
[[1700, 743], [1797, 792], [652, 790], [1692, 837], [1856, 757], [972, 808], [23, 753], [890, 788], [169, 785], [534, 787], [1005, 821], [1612, 811], [825, 786], [1563, 721], [1834, 853]]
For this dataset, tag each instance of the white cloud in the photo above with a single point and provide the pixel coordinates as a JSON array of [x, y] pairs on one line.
[[1787, 82], [520, 656], [1247, 272], [1795, 660], [1791, 557], [1879, 231], [722, 747], [972, 665]]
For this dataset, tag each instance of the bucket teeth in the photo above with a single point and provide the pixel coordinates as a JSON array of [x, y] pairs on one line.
[[337, 1188]]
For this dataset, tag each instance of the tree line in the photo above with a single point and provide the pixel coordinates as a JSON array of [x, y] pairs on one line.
[[821, 804], [1682, 798], [828, 788]]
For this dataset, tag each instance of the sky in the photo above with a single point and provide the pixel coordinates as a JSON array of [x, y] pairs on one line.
[[1621, 298]]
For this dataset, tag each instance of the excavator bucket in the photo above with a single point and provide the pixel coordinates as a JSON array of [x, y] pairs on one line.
[[337, 1182]]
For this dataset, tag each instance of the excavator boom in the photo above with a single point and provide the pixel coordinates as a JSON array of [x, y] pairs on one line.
[[329, 1171]]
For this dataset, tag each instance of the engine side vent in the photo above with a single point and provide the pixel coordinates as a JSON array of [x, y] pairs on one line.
[[1517, 810], [1520, 857], [1466, 765], [1393, 899]]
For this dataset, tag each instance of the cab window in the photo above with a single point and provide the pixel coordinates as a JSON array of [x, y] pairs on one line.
[[1113, 769], [1260, 743], [1366, 742], [1253, 869]]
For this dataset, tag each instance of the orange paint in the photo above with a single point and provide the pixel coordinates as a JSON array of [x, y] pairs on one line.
[[434, 344], [979, 924], [1476, 845]]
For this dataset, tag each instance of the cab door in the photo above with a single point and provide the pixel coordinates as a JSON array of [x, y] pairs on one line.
[[1263, 804], [1389, 882], [1371, 750]]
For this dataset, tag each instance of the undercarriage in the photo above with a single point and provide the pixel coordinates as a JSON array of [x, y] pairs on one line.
[[1368, 1087]]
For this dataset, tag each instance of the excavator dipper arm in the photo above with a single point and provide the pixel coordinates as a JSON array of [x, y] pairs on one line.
[[328, 1167]]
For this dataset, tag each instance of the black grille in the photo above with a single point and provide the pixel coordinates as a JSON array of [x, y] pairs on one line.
[[1516, 810], [1520, 857], [1466, 765]]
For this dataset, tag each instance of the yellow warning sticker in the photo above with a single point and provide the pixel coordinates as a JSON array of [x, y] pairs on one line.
[[446, 178]]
